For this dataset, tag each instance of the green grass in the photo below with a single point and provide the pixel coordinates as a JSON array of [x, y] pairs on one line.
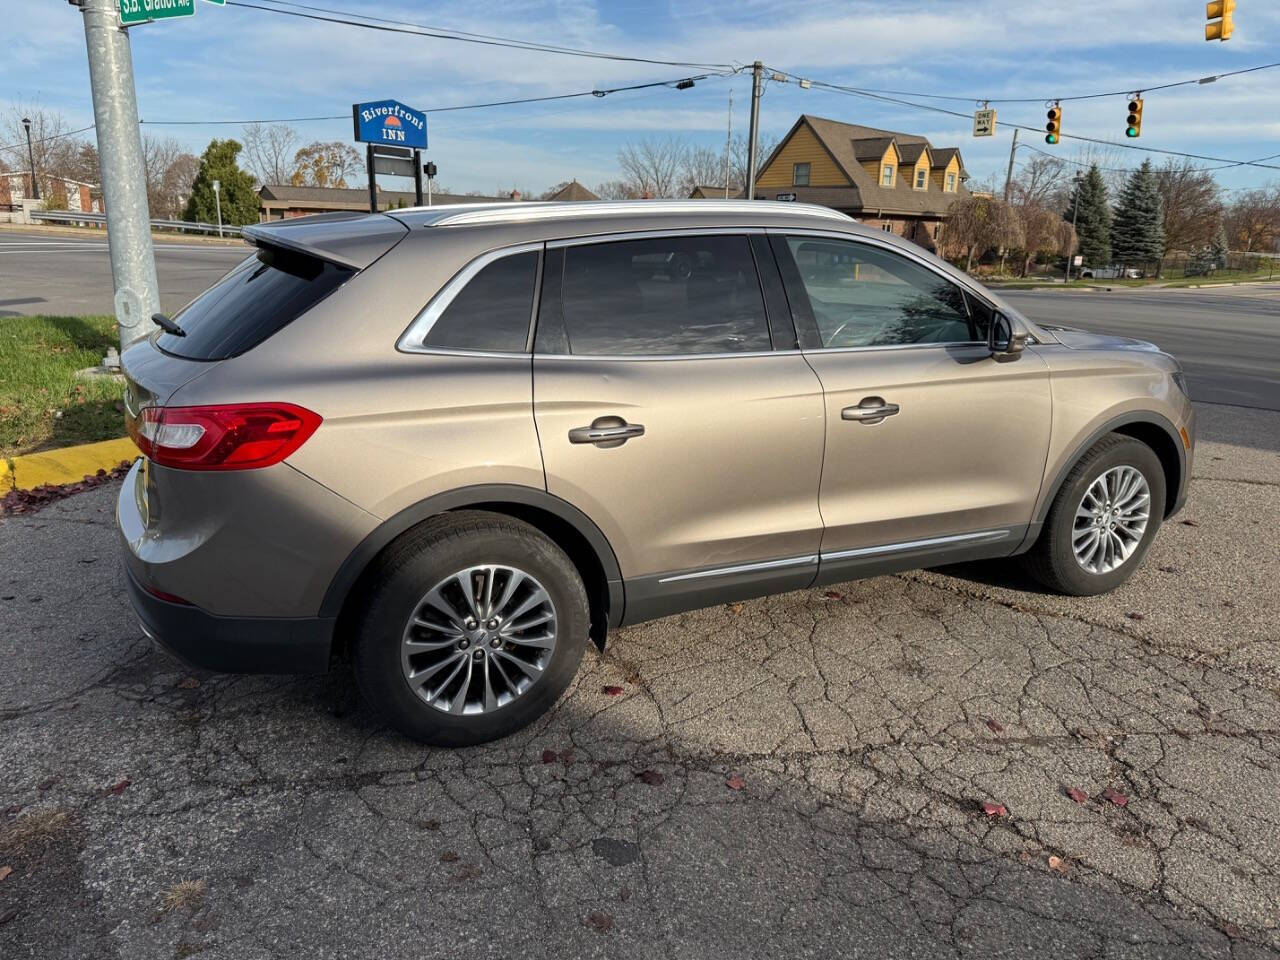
[[42, 403]]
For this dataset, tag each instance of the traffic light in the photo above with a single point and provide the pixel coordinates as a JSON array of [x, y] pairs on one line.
[[1219, 13], [1134, 128], [1054, 126]]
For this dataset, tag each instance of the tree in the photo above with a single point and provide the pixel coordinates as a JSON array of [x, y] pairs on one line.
[[57, 154], [615, 190], [1137, 233], [1038, 183], [175, 183], [268, 148], [738, 154], [702, 165], [239, 201], [1253, 220], [1088, 205], [651, 167], [1218, 247], [1043, 231], [976, 224], [1192, 206], [324, 164]]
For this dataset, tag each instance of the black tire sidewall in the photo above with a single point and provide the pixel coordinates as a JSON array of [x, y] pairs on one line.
[[414, 570]]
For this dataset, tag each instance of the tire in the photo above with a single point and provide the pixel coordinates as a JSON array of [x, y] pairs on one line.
[[481, 662], [1053, 561]]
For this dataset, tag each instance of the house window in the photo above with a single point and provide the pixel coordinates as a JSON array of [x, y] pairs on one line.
[[922, 177], [799, 174], [951, 183], [887, 227], [886, 175]]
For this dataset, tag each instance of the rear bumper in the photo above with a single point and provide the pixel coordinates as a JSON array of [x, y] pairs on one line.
[[233, 644]]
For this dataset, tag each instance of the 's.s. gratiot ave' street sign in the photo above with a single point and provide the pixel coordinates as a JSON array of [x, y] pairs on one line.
[[391, 122], [140, 11]]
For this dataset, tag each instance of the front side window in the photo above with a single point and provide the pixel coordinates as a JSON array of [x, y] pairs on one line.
[[886, 175], [922, 176], [666, 296], [800, 175], [863, 296], [951, 183], [492, 311]]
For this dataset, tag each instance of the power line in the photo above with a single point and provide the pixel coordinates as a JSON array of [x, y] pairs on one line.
[[420, 30], [56, 136]]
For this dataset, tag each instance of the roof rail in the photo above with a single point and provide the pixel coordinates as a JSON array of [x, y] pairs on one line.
[[526, 211]]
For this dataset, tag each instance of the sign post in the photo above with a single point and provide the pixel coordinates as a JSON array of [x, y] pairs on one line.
[[395, 136], [217, 202]]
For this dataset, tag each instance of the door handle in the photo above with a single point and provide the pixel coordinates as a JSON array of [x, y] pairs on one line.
[[606, 432], [870, 410]]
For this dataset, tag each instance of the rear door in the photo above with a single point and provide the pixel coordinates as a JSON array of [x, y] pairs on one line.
[[666, 414], [934, 450]]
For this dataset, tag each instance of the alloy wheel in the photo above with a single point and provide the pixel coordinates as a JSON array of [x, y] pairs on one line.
[[1111, 519]]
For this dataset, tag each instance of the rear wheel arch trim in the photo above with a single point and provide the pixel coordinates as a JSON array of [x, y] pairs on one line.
[[1116, 425], [478, 496]]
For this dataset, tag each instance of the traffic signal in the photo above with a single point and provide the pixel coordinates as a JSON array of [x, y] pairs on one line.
[[1134, 127], [1054, 126], [1219, 13]]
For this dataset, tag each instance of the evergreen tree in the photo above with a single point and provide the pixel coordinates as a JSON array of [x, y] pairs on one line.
[[239, 201], [1137, 235], [1092, 217], [1218, 248]]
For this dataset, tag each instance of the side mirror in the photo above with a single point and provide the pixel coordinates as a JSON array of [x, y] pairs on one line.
[[1005, 338]]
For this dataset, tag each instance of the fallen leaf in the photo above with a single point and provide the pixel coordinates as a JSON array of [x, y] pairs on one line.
[[1115, 796], [566, 757], [613, 691], [598, 921], [652, 777], [188, 683], [735, 782], [1057, 864], [8, 915], [1078, 795], [1136, 616], [5, 871], [735, 608], [45, 784], [624, 894], [1232, 931], [429, 824], [1189, 522], [995, 726], [994, 809], [448, 857], [119, 788], [834, 595], [549, 756]]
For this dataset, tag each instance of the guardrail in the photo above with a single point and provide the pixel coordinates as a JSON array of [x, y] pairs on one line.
[[181, 226]]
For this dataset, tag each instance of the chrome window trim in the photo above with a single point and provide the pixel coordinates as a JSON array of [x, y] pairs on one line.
[[525, 212], [624, 236], [632, 358], [981, 536], [816, 351], [741, 568], [413, 340]]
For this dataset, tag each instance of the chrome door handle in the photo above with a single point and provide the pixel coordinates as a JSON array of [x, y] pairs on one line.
[[606, 432], [870, 410]]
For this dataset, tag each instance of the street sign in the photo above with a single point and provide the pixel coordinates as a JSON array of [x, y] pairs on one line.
[[1077, 260], [785, 196], [984, 123], [140, 11], [389, 122]]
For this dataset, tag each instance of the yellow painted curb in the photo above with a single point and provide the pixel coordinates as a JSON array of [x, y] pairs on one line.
[[6, 477], [68, 464]]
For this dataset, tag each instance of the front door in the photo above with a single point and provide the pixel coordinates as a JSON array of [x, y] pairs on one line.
[[934, 450], [665, 415]]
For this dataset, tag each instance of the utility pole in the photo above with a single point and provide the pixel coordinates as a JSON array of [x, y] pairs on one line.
[[728, 145], [124, 183], [1008, 177], [757, 90], [1075, 209], [31, 157]]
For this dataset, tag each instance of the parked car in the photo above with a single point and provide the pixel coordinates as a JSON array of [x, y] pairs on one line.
[[456, 444], [1112, 273]]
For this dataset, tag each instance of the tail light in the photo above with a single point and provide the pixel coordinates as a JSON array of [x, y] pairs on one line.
[[241, 436]]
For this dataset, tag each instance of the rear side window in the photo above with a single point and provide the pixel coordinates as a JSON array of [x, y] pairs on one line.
[[667, 296], [262, 295], [493, 311]]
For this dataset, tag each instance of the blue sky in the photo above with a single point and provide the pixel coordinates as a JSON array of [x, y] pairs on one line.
[[238, 63]]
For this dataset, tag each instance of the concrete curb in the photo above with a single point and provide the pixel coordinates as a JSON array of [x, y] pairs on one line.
[[64, 465]]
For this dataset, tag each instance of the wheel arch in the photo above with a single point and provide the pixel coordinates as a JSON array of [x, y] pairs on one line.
[[567, 526]]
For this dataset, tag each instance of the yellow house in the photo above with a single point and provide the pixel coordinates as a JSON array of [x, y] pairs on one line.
[[896, 181]]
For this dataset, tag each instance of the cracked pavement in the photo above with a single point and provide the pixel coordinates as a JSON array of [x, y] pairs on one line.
[[868, 725]]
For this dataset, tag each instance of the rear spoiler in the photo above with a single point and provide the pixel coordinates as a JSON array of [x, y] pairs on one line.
[[352, 240]]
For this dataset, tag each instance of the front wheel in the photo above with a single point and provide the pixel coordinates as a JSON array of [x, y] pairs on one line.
[[474, 625], [1103, 519]]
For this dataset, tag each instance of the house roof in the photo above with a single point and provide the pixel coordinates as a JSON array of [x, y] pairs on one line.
[[910, 152], [712, 191], [850, 143], [573, 190]]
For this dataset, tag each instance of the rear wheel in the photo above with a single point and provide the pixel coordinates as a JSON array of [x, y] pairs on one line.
[[474, 625], [1103, 519]]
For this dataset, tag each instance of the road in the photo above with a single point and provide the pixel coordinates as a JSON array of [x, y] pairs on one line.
[[1228, 338], [149, 812]]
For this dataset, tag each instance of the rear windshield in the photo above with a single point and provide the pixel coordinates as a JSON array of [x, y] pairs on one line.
[[264, 294]]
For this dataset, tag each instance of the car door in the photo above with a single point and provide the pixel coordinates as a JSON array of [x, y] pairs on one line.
[[935, 450], [666, 414]]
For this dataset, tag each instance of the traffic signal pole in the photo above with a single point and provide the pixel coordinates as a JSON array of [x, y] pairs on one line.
[[124, 182]]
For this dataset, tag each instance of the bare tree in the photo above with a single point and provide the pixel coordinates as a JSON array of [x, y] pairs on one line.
[[1044, 231], [175, 184], [615, 190], [1039, 182], [55, 150], [701, 166], [738, 157], [651, 167], [1253, 219], [269, 149], [1192, 206]]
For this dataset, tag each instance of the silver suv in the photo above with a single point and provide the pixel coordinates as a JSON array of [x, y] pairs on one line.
[[454, 443]]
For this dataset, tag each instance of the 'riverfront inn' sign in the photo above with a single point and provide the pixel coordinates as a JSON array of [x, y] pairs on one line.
[[389, 122]]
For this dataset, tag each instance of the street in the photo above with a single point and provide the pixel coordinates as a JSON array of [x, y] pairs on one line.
[[800, 776]]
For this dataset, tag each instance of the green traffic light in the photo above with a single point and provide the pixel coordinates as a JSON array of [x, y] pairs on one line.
[[1131, 132], [1051, 138]]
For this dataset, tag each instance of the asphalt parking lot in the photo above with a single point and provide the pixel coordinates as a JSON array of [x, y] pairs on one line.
[[801, 776]]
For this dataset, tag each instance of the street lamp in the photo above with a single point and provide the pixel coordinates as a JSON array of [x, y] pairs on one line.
[[217, 201], [35, 186]]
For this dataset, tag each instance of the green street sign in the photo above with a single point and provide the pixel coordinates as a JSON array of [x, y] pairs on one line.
[[140, 11]]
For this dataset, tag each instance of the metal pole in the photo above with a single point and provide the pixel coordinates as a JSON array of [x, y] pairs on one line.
[[124, 182], [1075, 209], [728, 145], [217, 203], [373, 184], [757, 69], [31, 157], [1008, 177], [417, 177], [430, 181]]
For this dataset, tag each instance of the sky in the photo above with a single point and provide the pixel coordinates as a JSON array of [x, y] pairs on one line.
[[238, 63]]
